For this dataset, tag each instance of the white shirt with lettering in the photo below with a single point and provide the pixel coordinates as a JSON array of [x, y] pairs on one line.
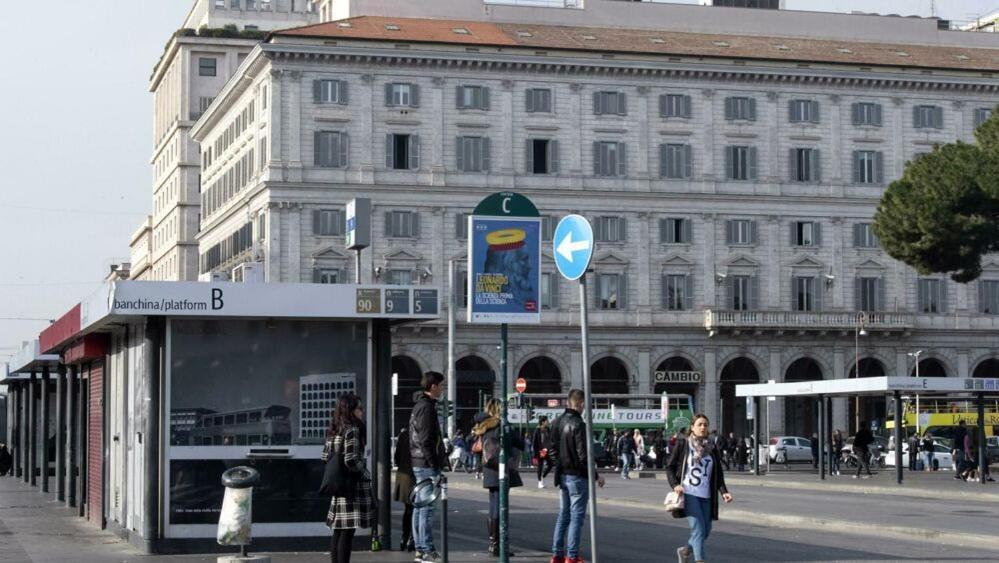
[[697, 479]]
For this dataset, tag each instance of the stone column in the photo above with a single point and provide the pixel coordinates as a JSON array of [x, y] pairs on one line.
[[32, 426], [643, 257], [901, 363], [776, 407], [644, 371], [576, 359], [708, 169], [44, 426], [294, 127], [60, 442], [294, 271], [774, 271], [276, 152], [643, 168], [711, 387], [834, 296], [840, 407], [272, 244], [710, 267], [963, 364]]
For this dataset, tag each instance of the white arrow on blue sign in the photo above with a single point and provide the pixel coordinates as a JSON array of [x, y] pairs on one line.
[[573, 244]]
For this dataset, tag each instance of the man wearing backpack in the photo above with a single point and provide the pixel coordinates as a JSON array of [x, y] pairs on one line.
[[426, 447], [568, 456]]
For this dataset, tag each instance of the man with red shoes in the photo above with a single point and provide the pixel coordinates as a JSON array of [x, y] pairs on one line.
[[568, 455]]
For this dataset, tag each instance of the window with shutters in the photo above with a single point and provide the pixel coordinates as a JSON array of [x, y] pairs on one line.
[[675, 161], [402, 224], [804, 111], [609, 229], [805, 233], [740, 108], [609, 291], [805, 297], [988, 297], [868, 167], [982, 115], [675, 230], [207, 66], [327, 91], [927, 117], [675, 105], [867, 113], [678, 292], [538, 100], [541, 156], [863, 236], [742, 291], [399, 95], [609, 159], [402, 152], [328, 275], [549, 290], [399, 276], [740, 162], [472, 154], [740, 232], [461, 226], [263, 153], [610, 103], [931, 295], [870, 294], [328, 222], [548, 224], [234, 4], [331, 149], [472, 97], [805, 165]]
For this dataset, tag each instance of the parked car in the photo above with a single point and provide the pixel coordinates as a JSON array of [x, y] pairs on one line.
[[790, 449], [880, 443], [941, 457]]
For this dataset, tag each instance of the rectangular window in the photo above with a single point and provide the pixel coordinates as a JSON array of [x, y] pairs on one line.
[[675, 105], [740, 108], [234, 4], [402, 224], [610, 103], [472, 154], [328, 275], [740, 231], [328, 91], [541, 156], [399, 277], [870, 294], [402, 152], [675, 230], [220, 3], [263, 152], [867, 113], [988, 296], [742, 292], [675, 161], [678, 292], [461, 226], [932, 293], [331, 148], [610, 288], [402, 94], [549, 290], [251, 4], [863, 236], [740, 163], [805, 233], [472, 97], [804, 111], [609, 229], [805, 165], [548, 224], [982, 115], [805, 297], [538, 100], [609, 159], [868, 167], [328, 222], [927, 117], [207, 66]]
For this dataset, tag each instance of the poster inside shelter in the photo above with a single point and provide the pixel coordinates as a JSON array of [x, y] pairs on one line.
[[504, 270]]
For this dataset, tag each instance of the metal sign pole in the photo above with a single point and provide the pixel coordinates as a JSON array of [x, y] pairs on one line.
[[452, 385], [504, 491], [587, 416]]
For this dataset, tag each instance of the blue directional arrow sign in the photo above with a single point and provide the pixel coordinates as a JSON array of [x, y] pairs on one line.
[[573, 244]]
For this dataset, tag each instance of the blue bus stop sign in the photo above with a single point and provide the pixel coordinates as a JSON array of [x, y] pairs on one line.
[[573, 245]]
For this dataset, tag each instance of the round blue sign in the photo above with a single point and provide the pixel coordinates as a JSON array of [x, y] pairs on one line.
[[573, 245]]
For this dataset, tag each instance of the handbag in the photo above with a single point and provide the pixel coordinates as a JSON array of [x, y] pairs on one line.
[[674, 501], [337, 479]]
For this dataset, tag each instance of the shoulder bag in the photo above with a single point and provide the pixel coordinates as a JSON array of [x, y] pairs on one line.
[[337, 481]]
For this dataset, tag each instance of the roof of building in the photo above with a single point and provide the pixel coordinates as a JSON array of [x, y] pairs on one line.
[[650, 42]]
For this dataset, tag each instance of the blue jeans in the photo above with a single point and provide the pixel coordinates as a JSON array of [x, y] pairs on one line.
[[571, 512], [625, 465], [699, 517], [423, 518]]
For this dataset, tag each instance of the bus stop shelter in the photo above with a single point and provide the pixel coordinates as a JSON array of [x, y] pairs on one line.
[[822, 391]]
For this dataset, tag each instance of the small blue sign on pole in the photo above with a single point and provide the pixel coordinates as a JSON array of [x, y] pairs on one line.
[[573, 245]]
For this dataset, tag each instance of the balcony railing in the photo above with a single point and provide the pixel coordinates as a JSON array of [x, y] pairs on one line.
[[795, 320]]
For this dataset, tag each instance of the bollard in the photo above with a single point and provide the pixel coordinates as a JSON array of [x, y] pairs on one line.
[[235, 520]]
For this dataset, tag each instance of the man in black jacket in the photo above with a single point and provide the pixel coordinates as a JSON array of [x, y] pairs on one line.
[[426, 448], [861, 448], [568, 455]]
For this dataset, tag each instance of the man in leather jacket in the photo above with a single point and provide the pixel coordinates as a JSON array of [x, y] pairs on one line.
[[426, 448], [568, 455]]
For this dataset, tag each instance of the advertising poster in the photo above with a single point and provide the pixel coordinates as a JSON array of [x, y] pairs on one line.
[[504, 270]]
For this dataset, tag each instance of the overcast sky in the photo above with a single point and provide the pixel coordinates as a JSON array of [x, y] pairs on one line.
[[75, 140]]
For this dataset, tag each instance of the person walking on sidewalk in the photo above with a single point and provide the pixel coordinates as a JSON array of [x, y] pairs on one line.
[[348, 514], [741, 455], [837, 451], [639, 449], [625, 451], [403, 489], [913, 450], [426, 448], [695, 472], [539, 443], [487, 432], [927, 446], [5, 460], [957, 448], [568, 455], [861, 449]]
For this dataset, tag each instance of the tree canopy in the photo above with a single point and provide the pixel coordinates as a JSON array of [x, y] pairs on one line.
[[942, 215]]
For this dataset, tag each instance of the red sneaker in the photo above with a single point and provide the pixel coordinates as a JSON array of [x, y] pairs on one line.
[[574, 560], [557, 559]]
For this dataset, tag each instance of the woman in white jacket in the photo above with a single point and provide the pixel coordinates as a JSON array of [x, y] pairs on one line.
[[639, 449]]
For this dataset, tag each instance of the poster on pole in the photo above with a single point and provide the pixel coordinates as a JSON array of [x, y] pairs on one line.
[[504, 270]]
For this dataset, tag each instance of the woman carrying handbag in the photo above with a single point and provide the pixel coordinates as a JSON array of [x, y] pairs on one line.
[[695, 474], [346, 477]]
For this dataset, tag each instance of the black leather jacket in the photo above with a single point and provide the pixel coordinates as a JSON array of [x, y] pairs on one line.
[[426, 445], [568, 439]]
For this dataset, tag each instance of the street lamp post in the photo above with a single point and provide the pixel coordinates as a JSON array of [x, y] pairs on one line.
[[916, 355], [859, 330]]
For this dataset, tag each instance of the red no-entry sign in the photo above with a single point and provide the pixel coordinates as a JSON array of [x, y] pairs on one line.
[[521, 385]]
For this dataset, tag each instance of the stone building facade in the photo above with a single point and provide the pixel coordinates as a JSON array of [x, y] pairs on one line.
[[731, 182]]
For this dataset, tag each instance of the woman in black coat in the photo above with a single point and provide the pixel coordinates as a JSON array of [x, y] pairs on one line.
[[694, 470], [487, 433]]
